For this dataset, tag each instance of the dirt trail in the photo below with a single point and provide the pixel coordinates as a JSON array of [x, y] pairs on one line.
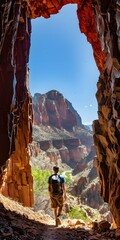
[[66, 232], [19, 223]]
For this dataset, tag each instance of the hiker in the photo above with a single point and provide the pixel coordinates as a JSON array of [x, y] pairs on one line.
[[56, 189]]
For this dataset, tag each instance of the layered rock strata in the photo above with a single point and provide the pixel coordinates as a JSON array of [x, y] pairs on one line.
[[69, 151], [58, 129], [99, 20], [15, 101]]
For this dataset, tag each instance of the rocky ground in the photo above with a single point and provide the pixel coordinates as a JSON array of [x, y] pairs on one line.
[[20, 223]]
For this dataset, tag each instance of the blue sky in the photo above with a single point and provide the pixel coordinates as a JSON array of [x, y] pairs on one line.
[[62, 59]]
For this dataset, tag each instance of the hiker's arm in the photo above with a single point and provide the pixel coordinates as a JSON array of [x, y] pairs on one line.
[[64, 191], [49, 187]]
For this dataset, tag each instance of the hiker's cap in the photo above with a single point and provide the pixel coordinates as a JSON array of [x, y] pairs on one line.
[[55, 168]]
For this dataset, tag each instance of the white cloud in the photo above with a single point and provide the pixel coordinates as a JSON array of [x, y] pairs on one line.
[[90, 105], [87, 123]]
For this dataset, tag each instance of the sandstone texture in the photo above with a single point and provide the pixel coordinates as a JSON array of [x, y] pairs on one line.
[[15, 101], [99, 21]]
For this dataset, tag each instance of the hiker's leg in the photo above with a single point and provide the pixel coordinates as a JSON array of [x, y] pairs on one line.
[[60, 204], [55, 213], [59, 211]]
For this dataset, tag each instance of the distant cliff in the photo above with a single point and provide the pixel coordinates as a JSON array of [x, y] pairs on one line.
[[58, 127], [54, 110]]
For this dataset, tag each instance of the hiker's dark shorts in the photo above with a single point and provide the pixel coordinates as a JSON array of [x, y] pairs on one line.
[[56, 201]]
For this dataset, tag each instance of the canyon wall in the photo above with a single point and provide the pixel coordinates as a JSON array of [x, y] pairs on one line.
[[58, 129], [15, 102], [69, 151], [99, 21], [104, 35]]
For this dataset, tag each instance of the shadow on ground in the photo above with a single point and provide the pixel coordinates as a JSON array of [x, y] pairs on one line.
[[23, 224]]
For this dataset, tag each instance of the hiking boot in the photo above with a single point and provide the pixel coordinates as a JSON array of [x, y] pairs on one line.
[[58, 222]]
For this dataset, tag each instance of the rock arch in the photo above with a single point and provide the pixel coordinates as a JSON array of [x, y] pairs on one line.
[[99, 21]]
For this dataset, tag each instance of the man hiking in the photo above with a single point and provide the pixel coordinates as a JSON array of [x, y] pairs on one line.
[[56, 188]]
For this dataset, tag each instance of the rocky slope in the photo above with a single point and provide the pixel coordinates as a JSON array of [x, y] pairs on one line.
[[18, 223]]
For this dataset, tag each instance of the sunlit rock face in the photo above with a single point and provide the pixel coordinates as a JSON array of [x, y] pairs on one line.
[[99, 20], [58, 129], [70, 151], [87, 185], [54, 110]]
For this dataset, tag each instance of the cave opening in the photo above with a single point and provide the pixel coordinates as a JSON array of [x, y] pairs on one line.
[[62, 60], [100, 24]]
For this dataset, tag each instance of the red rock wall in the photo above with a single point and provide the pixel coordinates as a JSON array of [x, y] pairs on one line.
[[106, 129], [15, 102], [101, 26], [99, 20]]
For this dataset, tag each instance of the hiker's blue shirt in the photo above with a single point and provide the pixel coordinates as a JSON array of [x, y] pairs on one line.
[[62, 178]]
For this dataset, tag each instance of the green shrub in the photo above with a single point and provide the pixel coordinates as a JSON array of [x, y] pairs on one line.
[[68, 178], [40, 178], [78, 214]]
